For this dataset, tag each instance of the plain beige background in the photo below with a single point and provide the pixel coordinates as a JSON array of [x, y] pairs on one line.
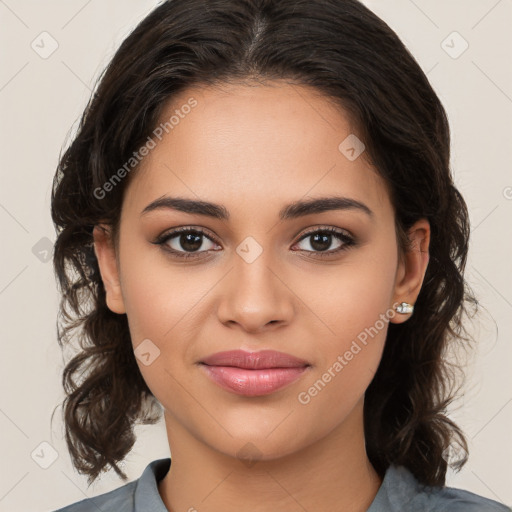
[[41, 98]]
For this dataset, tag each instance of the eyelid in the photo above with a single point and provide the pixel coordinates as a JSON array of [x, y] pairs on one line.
[[325, 228], [180, 229], [313, 229]]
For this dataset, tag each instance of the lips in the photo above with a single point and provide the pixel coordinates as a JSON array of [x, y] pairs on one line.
[[254, 360], [253, 373]]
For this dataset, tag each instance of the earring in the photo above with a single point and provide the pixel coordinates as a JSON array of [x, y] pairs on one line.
[[404, 308]]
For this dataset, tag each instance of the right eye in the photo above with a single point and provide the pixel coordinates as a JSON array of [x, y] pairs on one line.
[[184, 242]]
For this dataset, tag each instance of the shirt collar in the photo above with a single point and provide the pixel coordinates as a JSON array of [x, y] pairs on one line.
[[398, 487], [147, 496]]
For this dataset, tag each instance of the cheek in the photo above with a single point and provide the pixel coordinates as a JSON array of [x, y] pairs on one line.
[[159, 309], [163, 305], [159, 296], [347, 364], [354, 303], [352, 296]]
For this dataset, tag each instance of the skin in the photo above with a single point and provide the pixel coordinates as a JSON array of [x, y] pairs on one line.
[[254, 150]]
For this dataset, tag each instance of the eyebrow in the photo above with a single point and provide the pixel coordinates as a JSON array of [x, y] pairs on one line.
[[293, 210]]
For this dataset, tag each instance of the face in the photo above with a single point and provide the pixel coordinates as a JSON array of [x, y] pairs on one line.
[[317, 283]]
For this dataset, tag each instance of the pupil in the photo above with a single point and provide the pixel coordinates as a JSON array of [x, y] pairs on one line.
[[319, 239], [190, 241]]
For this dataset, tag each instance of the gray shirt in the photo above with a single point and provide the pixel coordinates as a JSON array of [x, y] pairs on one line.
[[399, 492]]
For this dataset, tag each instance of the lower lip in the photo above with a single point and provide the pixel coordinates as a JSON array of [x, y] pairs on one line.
[[253, 382]]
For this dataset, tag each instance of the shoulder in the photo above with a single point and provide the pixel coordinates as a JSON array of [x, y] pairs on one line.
[[121, 500], [405, 493], [450, 499], [136, 496]]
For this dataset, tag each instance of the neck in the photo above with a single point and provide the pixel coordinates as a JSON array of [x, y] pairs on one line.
[[333, 473]]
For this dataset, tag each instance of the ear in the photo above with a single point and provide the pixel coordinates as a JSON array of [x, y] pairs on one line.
[[411, 271], [106, 256]]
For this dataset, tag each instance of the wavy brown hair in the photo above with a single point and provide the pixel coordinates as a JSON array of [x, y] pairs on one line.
[[344, 51]]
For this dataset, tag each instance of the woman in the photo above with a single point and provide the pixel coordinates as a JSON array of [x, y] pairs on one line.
[[259, 236]]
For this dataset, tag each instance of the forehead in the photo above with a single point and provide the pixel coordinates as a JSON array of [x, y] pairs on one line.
[[268, 144]]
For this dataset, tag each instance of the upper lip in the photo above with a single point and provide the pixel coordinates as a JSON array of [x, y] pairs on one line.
[[254, 360]]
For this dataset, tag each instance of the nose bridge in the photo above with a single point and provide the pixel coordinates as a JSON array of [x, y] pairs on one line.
[[255, 295]]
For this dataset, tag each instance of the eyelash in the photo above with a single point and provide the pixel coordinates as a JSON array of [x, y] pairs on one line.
[[347, 240]]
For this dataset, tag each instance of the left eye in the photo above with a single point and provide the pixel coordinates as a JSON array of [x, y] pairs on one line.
[[321, 240]]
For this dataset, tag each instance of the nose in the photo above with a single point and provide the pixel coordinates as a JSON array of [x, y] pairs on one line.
[[255, 296]]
